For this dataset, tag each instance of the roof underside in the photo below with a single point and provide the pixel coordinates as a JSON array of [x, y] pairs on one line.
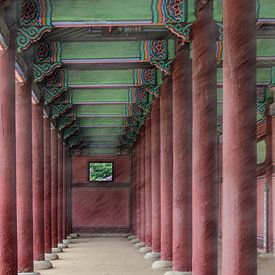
[[106, 60]]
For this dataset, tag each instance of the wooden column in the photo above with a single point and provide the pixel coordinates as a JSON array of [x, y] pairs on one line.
[[204, 147], [60, 193], [148, 194], [166, 173], [142, 184], [138, 188], [24, 176], [38, 188], [65, 194], [182, 161], [134, 187], [47, 192], [8, 251], [155, 176], [54, 179], [239, 254]]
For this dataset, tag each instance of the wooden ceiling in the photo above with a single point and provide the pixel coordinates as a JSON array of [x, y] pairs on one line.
[[99, 64]]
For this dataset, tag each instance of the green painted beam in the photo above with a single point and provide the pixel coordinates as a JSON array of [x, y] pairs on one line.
[[101, 131], [101, 11], [102, 151], [101, 109], [86, 122], [97, 95], [113, 51]]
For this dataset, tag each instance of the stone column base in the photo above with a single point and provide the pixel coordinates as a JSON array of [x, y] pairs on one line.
[[51, 256], [135, 241], [153, 256], [162, 264], [131, 237], [145, 249], [74, 235], [62, 245], [57, 250], [28, 273], [42, 265], [140, 244], [178, 273], [66, 241]]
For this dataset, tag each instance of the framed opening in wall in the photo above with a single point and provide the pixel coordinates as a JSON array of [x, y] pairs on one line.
[[101, 171]]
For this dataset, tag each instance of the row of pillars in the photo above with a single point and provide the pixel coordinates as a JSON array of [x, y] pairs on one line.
[[35, 168], [175, 176]]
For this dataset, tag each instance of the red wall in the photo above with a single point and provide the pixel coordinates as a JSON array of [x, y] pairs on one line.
[[101, 207]]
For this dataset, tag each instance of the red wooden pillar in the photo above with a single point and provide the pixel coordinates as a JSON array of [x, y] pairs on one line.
[[272, 189], [142, 184], [166, 173], [133, 193], [8, 251], [70, 193], [24, 176], [138, 189], [182, 161], [155, 179], [47, 192], [148, 194], [65, 194], [204, 147], [239, 254], [54, 183], [60, 194], [38, 188], [268, 245]]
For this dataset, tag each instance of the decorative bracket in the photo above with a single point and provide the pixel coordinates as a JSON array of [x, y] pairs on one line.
[[262, 102], [156, 52], [60, 109], [48, 59], [181, 30], [53, 93], [65, 122], [145, 77], [172, 13], [68, 132], [35, 20]]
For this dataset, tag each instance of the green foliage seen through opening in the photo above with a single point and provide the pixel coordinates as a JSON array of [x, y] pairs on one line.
[[101, 171]]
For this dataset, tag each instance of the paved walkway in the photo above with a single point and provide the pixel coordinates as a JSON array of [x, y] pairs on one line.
[[116, 256], [101, 256]]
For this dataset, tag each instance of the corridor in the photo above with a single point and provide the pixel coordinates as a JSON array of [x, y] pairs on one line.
[[116, 256], [101, 256]]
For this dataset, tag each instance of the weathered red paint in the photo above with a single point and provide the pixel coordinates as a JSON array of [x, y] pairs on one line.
[[47, 186], [142, 184], [24, 176], [204, 166], [8, 251], [133, 190], [182, 161], [155, 166], [54, 164], [148, 194], [112, 199], [166, 168], [138, 188], [65, 193], [38, 182], [95, 207], [60, 192], [239, 254]]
